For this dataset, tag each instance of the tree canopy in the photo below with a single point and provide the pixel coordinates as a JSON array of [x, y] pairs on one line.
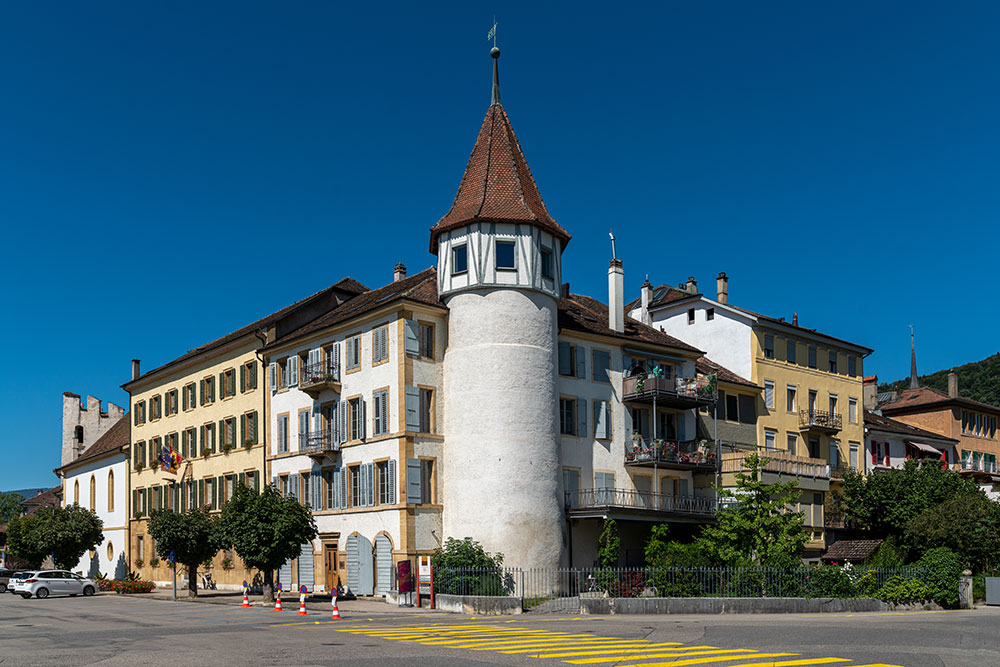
[[193, 537], [10, 506], [968, 525], [464, 553], [65, 533], [266, 530]]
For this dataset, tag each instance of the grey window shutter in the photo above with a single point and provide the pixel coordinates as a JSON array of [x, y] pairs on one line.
[[564, 360], [681, 427], [627, 415], [371, 484], [317, 419], [344, 430], [581, 362], [272, 373], [343, 488], [281, 435], [385, 412], [748, 409], [412, 342], [391, 475], [581, 416], [335, 361], [293, 486], [334, 422], [412, 409], [413, 481], [383, 342], [316, 494], [314, 356], [293, 370], [600, 420], [335, 488], [608, 424], [363, 418]]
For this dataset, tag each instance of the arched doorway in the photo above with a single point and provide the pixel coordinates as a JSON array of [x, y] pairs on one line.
[[360, 566], [383, 564]]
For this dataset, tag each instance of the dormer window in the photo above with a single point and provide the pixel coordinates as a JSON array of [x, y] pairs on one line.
[[505, 256], [459, 259]]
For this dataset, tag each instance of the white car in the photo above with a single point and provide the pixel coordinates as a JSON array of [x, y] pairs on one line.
[[43, 583]]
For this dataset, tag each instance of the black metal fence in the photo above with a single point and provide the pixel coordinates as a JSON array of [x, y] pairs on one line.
[[559, 590]]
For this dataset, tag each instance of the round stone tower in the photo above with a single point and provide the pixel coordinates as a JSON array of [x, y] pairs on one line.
[[499, 264]]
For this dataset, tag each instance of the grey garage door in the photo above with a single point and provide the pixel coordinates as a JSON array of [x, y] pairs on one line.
[[383, 565], [360, 566], [306, 566]]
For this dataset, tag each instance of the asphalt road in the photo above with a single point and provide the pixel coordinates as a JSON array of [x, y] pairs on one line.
[[130, 630]]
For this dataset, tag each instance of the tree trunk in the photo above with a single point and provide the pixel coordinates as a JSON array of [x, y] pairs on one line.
[[193, 581], [268, 585]]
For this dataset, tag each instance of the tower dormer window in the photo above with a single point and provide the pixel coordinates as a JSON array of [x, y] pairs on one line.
[[459, 259], [547, 264], [505, 255]]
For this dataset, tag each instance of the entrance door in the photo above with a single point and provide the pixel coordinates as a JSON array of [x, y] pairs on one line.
[[812, 405], [360, 566], [383, 565], [330, 566]]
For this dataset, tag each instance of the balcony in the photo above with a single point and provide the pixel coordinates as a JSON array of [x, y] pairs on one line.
[[780, 463], [316, 377], [840, 471], [318, 443], [587, 503], [678, 393], [672, 454], [820, 421]]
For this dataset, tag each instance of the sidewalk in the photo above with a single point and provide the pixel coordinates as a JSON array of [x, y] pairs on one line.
[[289, 602]]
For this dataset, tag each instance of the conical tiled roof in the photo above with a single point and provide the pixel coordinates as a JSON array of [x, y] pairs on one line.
[[497, 185]]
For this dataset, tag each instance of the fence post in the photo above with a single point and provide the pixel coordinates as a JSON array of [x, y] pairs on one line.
[[965, 590]]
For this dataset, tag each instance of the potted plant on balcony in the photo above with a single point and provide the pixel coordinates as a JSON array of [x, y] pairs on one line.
[[139, 466], [640, 382], [154, 465], [248, 443], [228, 447], [154, 562], [206, 452]]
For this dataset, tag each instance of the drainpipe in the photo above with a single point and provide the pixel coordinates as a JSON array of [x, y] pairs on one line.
[[264, 426]]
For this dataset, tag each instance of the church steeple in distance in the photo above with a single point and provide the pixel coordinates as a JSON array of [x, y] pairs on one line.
[[914, 383]]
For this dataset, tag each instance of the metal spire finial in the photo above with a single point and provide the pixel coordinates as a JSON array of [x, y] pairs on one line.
[[495, 54]]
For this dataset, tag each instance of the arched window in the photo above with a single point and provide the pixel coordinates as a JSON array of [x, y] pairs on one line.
[[111, 491], [79, 434], [76, 492], [93, 493], [111, 553]]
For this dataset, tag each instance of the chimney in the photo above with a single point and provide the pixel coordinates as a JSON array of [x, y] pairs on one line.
[[692, 285], [135, 369], [952, 385], [795, 319], [398, 272], [565, 290], [647, 296], [722, 288], [616, 296]]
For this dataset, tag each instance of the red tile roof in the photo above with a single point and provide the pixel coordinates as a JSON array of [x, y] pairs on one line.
[[851, 551], [585, 314], [883, 423], [706, 365], [497, 185], [927, 397], [116, 437]]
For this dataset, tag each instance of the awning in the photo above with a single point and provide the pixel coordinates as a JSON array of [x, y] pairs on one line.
[[925, 448]]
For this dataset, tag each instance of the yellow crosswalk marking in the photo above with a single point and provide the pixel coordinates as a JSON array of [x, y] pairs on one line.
[[804, 662], [518, 641], [659, 648], [673, 654], [601, 646], [470, 642], [702, 661], [882, 664]]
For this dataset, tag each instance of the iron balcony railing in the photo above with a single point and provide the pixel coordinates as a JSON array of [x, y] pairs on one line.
[[778, 462], [639, 500], [687, 453], [694, 389], [319, 373], [840, 470], [318, 442], [820, 419]]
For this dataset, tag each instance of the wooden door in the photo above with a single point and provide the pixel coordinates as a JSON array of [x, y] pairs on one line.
[[330, 566]]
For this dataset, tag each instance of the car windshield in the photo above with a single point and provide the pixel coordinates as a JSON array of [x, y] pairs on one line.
[[20, 575]]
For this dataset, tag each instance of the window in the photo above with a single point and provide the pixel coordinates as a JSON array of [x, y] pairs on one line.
[[709, 314], [356, 499], [207, 390], [768, 346], [171, 402], [567, 416], [769, 394], [459, 259], [854, 456], [227, 432], [282, 434], [154, 450], [357, 416], [852, 410], [140, 550], [602, 420], [852, 366], [291, 375], [111, 490], [171, 441], [227, 383], [790, 398], [833, 361], [690, 315], [380, 412], [834, 454], [602, 366], [833, 404], [93, 493], [155, 407], [812, 356], [790, 350], [425, 335], [189, 398], [140, 412], [248, 429], [732, 407], [380, 346], [248, 376], [505, 255], [769, 437], [792, 441], [139, 455], [353, 352], [547, 270], [426, 410], [572, 360], [386, 472], [426, 477], [207, 438]]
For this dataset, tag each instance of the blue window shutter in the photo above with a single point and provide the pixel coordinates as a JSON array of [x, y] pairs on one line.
[[412, 342], [581, 361], [413, 490], [391, 475], [564, 360], [412, 409], [581, 417], [363, 419]]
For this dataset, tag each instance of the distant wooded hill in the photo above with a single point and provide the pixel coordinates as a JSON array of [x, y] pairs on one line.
[[979, 380]]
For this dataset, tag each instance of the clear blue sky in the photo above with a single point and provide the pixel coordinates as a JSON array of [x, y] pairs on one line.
[[171, 171]]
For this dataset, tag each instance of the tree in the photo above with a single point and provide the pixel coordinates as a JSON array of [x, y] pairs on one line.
[[758, 529], [968, 524], [609, 545], [266, 530], [464, 553], [464, 567], [886, 502], [193, 537], [65, 533], [662, 553], [10, 506]]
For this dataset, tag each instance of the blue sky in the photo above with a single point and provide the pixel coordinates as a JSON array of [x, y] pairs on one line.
[[172, 171]]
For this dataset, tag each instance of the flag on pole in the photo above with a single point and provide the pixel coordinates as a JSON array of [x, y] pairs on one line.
[[493, 32], [170, 460]]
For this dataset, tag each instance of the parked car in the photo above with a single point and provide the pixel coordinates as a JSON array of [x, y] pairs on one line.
[[4, 578], [43, 583], [15, 577]]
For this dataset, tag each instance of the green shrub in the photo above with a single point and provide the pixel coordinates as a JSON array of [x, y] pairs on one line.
[[899, 590], [829, 581], [867, 585], [942, 568], [888, 554]]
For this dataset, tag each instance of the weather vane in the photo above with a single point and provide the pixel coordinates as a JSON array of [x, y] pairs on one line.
[[492, 34]]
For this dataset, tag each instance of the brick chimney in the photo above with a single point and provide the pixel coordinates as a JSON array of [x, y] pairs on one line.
[[952, 385], [398, 272], [135, 369], [647, 295], [692, 285], [616, 296], [722, 288]]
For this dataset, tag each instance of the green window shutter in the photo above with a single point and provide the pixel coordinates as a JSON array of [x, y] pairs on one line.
[[149, 498], [222, 384], [243, 478], [256, 481], [243, 429], [220, 489], [135, 501], [201, 493], [253, 430], [220, 435], [243, 378], [253, 375], [201, 392]]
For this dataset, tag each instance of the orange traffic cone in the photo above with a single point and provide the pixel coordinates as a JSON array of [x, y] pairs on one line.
[[246, 600], [336, 612], [302, 605], [277, 603]]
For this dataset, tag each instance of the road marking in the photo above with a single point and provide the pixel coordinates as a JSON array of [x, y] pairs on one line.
[[806, 661], [610, 644], [702, 661], [668, 647], [618, 657]]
